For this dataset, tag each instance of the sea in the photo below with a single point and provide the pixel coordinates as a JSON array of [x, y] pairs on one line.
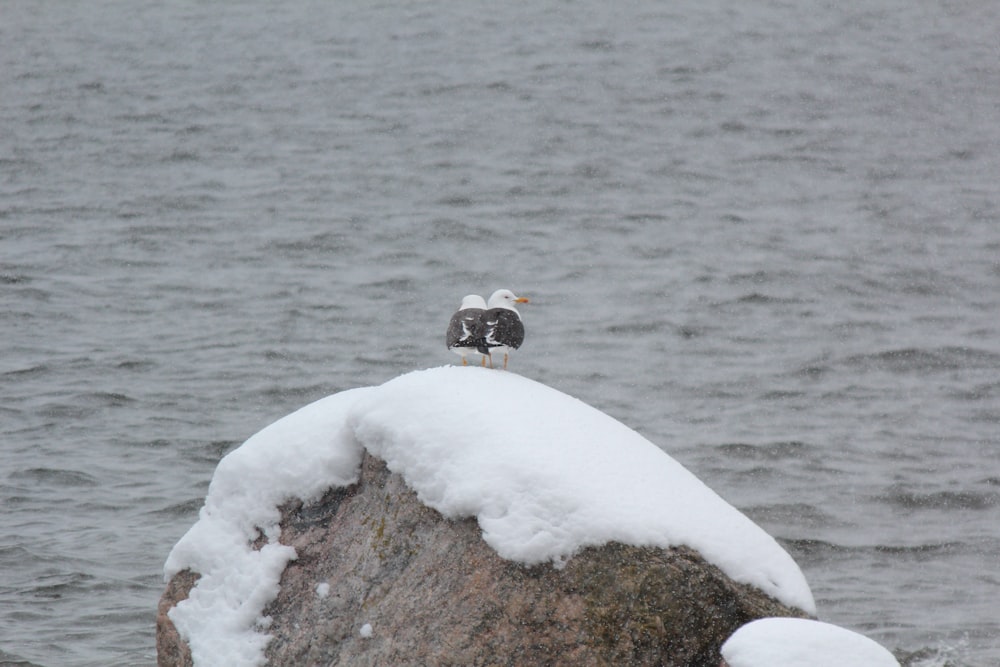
[[764, 235]]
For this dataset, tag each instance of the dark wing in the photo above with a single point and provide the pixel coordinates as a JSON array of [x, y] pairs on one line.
[[465, 328], [503, 327]]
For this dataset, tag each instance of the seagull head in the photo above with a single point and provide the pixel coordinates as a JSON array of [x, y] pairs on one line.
[[504, 298], [472, 301]]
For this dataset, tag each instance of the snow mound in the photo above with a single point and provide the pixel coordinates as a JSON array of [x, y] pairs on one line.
[[544, 473], [797, 642]]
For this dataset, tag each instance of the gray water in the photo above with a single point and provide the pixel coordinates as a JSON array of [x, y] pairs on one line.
[[764, 235]]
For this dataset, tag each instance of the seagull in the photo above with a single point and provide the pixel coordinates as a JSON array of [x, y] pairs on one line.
[[465, 331], [503, 328]]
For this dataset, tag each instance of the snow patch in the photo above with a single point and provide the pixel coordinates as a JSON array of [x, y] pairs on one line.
[[797, 642], [366, 631]]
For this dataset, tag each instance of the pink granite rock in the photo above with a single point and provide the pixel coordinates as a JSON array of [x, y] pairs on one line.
[[381, 579]]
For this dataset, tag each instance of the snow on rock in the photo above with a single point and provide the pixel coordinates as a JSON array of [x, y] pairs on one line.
[[300, 455], [544, 474], [366, 631], [797, 642], [547, 474]]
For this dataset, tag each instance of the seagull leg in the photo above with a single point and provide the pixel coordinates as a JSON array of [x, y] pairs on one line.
[[491, 359], [505, 361], [464, 362], [482, 361]]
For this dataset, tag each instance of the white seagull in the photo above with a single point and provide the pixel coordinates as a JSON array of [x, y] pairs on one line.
[[504, 330], [465, 331]]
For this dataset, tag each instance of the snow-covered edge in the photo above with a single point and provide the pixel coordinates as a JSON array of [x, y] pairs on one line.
[[222, 619]]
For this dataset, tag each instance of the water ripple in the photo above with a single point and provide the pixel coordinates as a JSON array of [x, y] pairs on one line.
[[941, 500], [54, 477]]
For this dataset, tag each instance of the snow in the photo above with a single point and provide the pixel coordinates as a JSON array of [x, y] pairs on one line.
[[322, 590], [366, 631], [797, 642], [300, 455], [544, 473]]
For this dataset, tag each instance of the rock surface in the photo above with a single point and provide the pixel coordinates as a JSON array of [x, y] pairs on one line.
[[431, 591], [170, 647]]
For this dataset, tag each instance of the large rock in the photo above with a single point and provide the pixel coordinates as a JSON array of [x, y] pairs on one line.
[[434, 593]]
